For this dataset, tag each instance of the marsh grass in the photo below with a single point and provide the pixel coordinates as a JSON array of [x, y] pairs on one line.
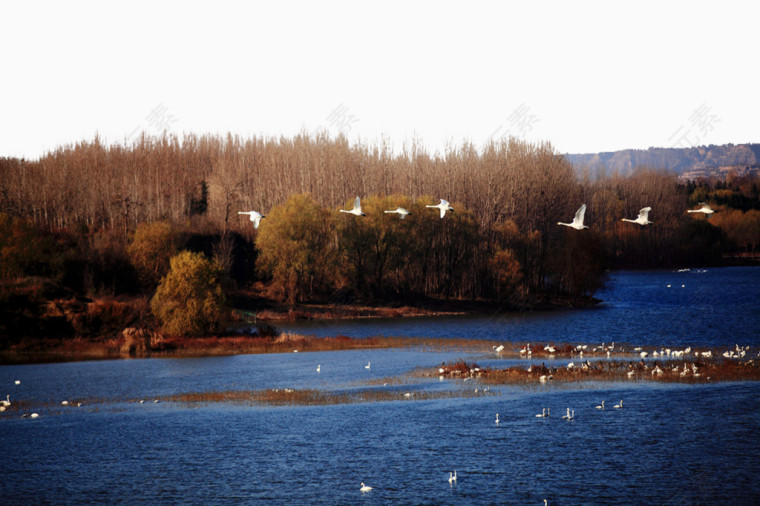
[[308, 397], [673, 371]]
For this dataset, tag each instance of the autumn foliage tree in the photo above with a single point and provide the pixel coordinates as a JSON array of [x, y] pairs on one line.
[[151, 248], [297, 248], [190, 300]]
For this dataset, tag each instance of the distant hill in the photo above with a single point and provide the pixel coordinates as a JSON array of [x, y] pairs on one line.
[[688, 163]]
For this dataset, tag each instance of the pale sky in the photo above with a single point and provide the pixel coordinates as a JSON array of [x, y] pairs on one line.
[[586, 76]]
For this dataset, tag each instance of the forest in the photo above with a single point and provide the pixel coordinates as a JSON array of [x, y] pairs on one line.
[[109, 221]]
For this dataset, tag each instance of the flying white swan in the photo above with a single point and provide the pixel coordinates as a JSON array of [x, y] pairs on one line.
[[254, 216], [703, 208], [365, 488], [400, 211], [443, 206], [357, 209], [498, 349], [577, 223], [642, 218]]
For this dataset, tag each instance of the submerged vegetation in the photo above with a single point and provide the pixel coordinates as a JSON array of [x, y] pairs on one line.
[[94, 224]]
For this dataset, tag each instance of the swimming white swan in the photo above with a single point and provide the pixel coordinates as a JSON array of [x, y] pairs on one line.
[[6, 402], [34, 415], [365, 488], [497, 418], [703, 208], [443, 206], [577, 222], [254, 216], [367, 366], [642, 218], [17, 382], [619, 405], [601, 406], [543, 414], [400, 211], [319, 367], [452, 477], [357, 209]]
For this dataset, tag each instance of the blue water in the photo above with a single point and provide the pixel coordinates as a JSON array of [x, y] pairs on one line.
[[714, 307], [670, 444]]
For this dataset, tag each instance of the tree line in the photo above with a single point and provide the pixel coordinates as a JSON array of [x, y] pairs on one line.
[[101, 204]]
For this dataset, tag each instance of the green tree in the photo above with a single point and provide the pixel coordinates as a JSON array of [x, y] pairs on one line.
[[150, 249], [297, 248], [375, 246], [190, 300]]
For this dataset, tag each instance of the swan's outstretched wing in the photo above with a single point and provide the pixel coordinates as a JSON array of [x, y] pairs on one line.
[[357, 204], [445, 206], [644, 213], [580, 214]]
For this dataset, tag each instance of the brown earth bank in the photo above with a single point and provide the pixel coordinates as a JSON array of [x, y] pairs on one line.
[[250, 306], [142, 343], [41, 321]]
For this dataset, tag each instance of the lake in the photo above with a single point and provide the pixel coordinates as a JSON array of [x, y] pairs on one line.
[[669, 444]]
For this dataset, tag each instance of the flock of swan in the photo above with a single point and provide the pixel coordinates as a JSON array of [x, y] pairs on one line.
[[5, 404], [443, 206], [545, 413], [641, 219], [356, 210]]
